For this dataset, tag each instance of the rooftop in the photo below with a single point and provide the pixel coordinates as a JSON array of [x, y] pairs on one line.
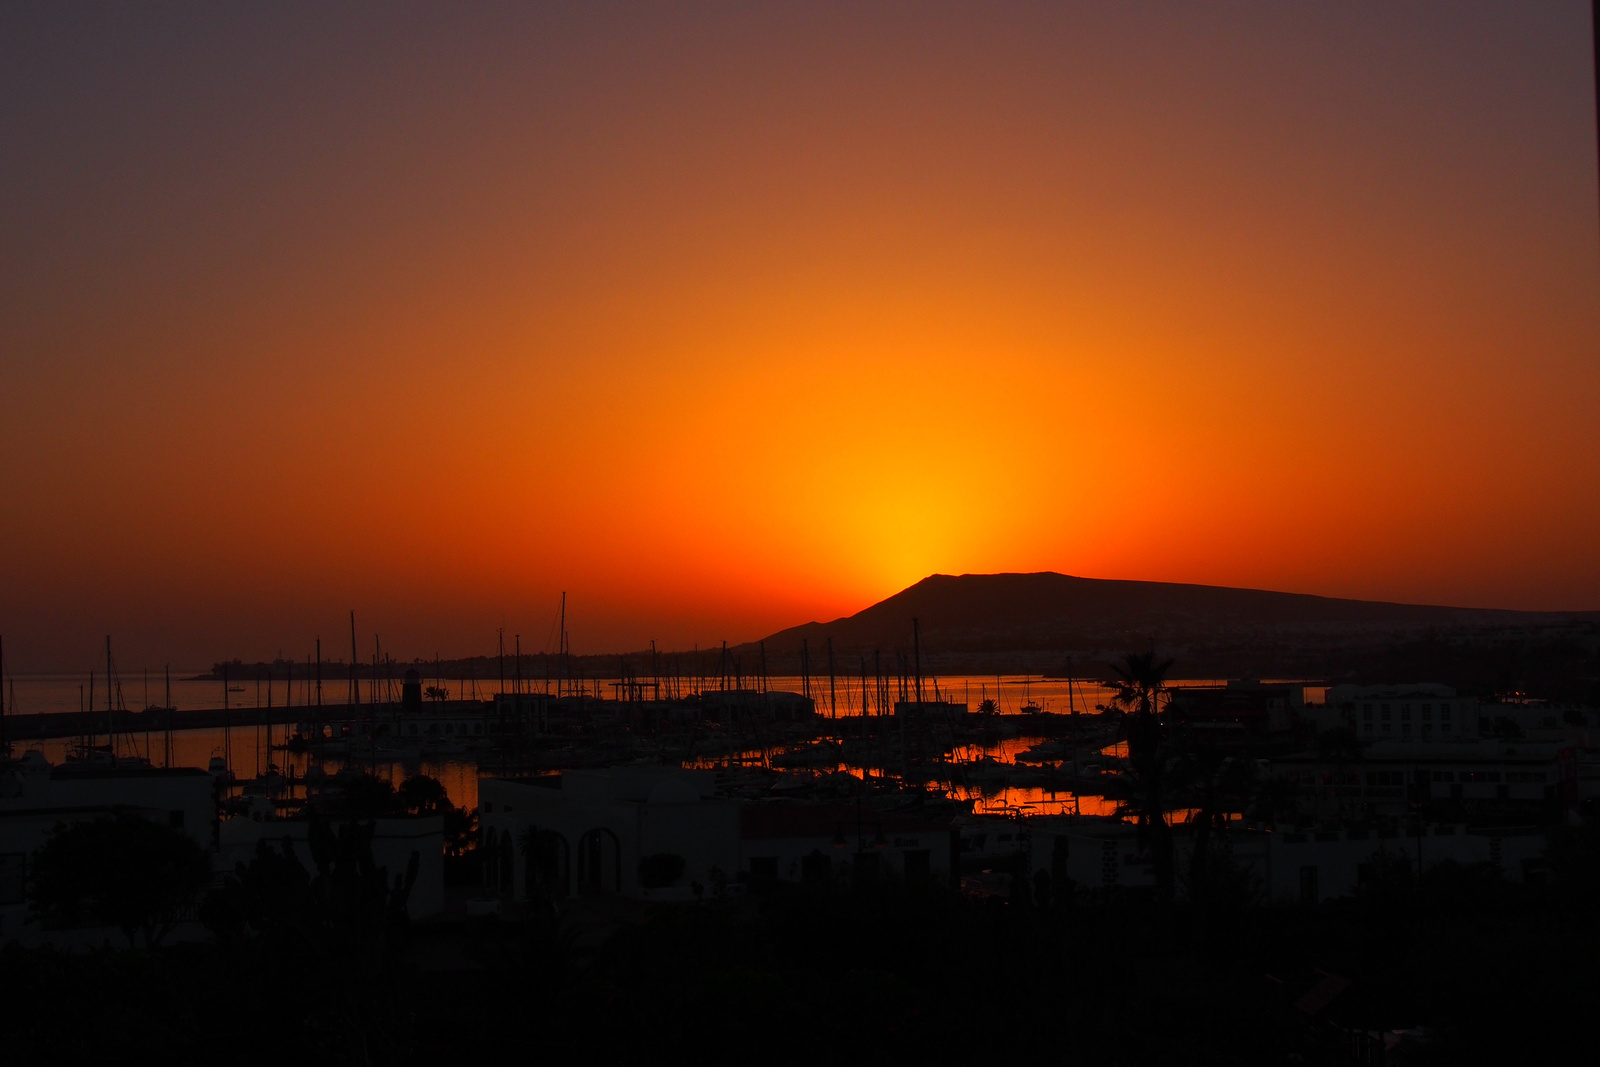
[[823, 820]]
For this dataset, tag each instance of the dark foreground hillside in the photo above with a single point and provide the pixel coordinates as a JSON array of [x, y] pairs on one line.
[[1472, 969]]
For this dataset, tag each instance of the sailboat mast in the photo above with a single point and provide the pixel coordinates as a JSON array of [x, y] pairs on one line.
[[833, 697], [916, 649], [227, 737], [111, 726], [355, 669], [372, 728]]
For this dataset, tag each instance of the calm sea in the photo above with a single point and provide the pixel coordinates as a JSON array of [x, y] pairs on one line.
[[249, 749]]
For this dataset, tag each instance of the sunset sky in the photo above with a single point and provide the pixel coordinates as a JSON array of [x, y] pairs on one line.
[[727, 317]]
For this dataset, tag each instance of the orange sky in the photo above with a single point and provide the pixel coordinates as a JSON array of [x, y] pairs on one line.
[[725, 319]]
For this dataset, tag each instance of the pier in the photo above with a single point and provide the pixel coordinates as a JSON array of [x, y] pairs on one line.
[[80, 723]]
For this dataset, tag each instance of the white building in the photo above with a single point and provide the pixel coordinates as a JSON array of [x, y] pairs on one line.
[[1289, 866], [1310, 866], [795, 842], [395, 840], [660, 833], [36, 797], [1538, 776], [1419, 711], [585, 833]]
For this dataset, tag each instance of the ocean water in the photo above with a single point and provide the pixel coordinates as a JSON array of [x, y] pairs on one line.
[[249, 749]]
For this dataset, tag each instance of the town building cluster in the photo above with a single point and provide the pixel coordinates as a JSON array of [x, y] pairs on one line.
[[1366, 775]]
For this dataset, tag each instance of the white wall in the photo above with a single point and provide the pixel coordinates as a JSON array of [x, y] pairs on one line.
[[642, 811], [393, 842], [1111, 855]]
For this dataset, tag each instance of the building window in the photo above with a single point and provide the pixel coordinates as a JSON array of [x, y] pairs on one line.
[[13, 880], [1405, 712], [1444, 728], [1387, 729], [1405, 728], [1366, 711], [1367, 726], [1384, 708], [1427, 729], [763, 870], [918, 863], [1308, 886], [1444, 711], [1427, 712]]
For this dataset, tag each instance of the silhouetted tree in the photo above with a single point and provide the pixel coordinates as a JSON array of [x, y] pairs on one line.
[[1214, 787], [661, 869], [123, 871], [421, 794], [1341, 742], [363, 796], [1506, 729], [336, 933], [1140, 681], [460, 831], [1573, 856]]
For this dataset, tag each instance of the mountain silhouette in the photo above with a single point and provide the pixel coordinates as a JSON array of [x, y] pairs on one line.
[[999, 612]]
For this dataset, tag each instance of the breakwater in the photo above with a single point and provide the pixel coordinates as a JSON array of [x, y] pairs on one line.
[[82, 723]]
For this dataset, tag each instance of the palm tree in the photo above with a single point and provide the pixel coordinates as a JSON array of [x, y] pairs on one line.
[[1215, 787], [1141, 679]]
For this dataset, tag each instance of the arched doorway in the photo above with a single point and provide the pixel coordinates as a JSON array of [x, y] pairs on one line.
[[507, 863], [546, 861], [599, 863]]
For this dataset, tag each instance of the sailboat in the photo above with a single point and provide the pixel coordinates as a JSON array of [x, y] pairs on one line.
[[86, 751], [1028, 706]]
